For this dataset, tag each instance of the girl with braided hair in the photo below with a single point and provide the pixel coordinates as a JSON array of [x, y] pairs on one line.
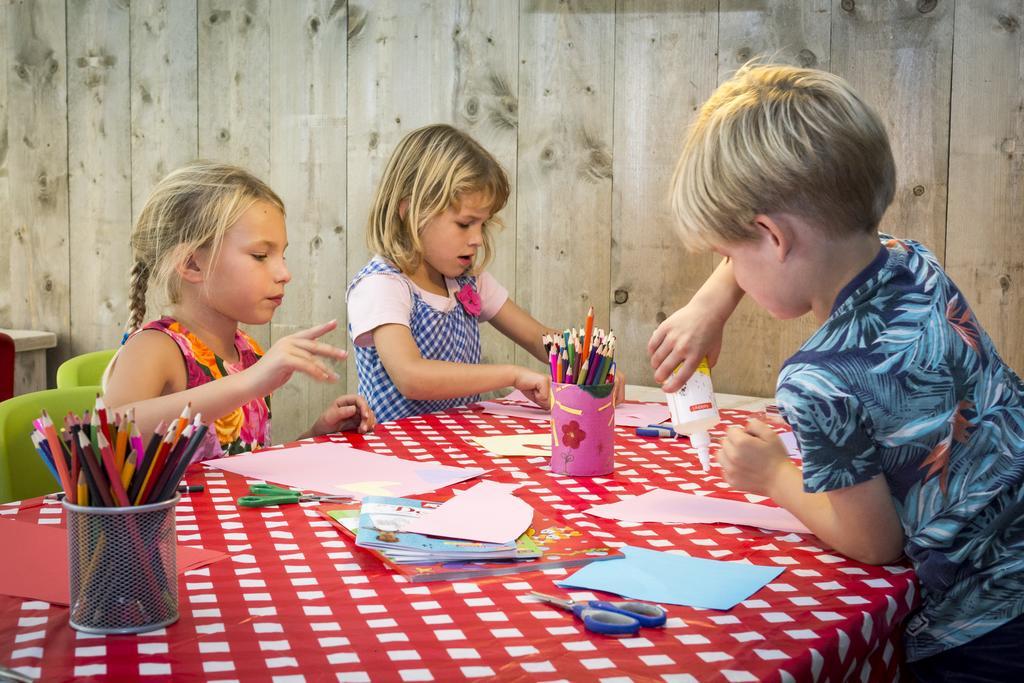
[[211, 238]]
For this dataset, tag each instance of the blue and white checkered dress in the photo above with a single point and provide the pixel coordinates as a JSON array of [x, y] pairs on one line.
[[452, 336]]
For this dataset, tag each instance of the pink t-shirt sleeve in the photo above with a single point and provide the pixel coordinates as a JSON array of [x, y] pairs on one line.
[[492, 296], [376, 300]]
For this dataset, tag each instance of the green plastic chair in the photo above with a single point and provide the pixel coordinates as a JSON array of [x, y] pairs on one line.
[[22, 472], [84, 370]]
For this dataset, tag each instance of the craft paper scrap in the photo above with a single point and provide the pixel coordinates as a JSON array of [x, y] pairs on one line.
[[338, 469], [488, 513], [641, 414], [41, 569], [516, 445], [517, 396], [674, 579], [676, 507], [530, 412], [789, 439]]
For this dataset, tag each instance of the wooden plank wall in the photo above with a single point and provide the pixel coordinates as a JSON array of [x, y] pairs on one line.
[[583, 101]]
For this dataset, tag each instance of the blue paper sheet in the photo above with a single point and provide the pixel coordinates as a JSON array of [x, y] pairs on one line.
[[674, 579]]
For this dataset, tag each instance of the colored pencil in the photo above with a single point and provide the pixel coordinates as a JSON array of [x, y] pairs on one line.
[[64, 476], [99, 458], [102, 484], [113, 473], [582, 356], [589, 331], [83, 491]]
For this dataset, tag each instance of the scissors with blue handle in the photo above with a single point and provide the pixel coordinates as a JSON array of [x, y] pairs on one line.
[[262, 495], [610, 618]]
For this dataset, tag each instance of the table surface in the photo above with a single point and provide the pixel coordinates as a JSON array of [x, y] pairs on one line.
[[296, 601]]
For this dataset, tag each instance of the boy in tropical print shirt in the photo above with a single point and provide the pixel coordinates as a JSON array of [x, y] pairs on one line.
[[910, 424]]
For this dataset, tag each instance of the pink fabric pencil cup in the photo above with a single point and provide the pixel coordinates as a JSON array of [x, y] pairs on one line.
[[582, 429]]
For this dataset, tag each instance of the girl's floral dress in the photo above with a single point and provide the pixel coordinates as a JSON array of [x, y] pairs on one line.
[[244, 429]]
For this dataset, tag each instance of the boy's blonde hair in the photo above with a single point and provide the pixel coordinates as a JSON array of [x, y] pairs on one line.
[[431, 168], [776, 138], [191, 208]]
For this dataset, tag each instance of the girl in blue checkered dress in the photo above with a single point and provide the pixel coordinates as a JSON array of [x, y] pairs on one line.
[[415, 309]]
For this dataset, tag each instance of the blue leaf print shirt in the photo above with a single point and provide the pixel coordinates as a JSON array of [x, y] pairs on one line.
[[902, 381]]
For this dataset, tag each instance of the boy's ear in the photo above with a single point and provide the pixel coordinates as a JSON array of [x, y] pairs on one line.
[[777, 231]]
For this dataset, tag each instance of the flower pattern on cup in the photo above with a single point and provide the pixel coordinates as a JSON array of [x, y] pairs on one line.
[[572, 434], [470, 300]]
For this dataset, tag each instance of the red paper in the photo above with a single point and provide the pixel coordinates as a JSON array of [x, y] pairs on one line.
[[38, 565]]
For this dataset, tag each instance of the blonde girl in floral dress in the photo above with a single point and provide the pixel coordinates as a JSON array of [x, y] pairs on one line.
[[212, 237]]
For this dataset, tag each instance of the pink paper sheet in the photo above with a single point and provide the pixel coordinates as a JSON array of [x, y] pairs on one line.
[[37, 565], [675, 507], [337, 469], [488, 513]]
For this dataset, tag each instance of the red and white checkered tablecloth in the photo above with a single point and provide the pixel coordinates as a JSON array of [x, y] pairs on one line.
[[295, 601]]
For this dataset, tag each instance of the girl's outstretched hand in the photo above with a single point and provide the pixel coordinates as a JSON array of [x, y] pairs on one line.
[[534, 386], [299, 352], [345, 414]]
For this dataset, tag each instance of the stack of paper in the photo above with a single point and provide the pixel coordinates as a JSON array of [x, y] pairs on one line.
[[384, 523]]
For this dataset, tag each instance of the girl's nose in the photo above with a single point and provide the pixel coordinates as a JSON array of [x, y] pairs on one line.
[[476, 236]]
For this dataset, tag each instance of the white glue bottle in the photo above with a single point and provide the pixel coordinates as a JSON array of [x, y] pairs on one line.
[[694, 411]]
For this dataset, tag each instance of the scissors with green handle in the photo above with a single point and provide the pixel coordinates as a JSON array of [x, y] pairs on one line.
[[262, 495]]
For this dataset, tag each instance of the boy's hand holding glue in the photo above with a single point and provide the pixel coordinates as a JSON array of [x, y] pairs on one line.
[[694, 332]]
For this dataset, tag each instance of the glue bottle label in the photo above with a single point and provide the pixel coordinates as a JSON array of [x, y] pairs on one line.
[[693, 407]]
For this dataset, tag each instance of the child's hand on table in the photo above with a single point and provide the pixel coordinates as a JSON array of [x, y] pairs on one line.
[[534, 386], [345, 414], [753, 457]]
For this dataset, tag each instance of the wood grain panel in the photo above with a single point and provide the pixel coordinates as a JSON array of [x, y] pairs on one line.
[[35, 284], [665, 67], [164, 101], [565, 161], [99, 161], [897, 55], [984, 252], [308, 47]]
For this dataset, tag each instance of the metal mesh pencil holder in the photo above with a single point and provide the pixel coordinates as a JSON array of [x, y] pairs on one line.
[[123, 570]]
